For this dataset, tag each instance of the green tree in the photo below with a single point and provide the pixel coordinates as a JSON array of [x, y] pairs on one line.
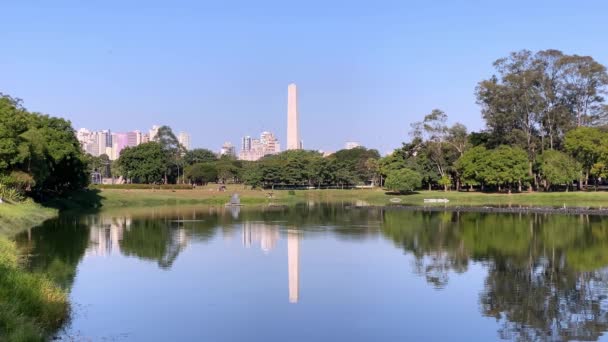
[[558, 168], [404, 180], [199, 155], [173, 151], [585, 145], [506, 166], [201, 173], [145, 163], [472, 166]]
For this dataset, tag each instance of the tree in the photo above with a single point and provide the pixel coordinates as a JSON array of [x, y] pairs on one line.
[[404, 180], [173, 151], [584, 144], [506, 165], [558, 168], [438, 143], [199, 155], [145, 163], [585, 80], [472, 166], [355, 160], [201, 173]]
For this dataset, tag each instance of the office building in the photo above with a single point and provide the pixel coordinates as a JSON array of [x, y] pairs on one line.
[[228, 150], [184, 140], [254, 149]]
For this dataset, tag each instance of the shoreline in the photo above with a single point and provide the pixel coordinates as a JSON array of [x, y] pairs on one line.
[[500, 210]]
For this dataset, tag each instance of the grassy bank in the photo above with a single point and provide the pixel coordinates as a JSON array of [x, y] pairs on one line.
[[31, 306], [111, 198], [17, 217]]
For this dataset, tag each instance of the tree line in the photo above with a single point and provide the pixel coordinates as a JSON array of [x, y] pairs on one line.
[[545, 129]]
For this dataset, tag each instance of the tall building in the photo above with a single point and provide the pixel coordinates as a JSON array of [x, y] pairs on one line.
[[184, 139], [293, 130], [134, 138], [254, 149], [246, 144], [228, 150]]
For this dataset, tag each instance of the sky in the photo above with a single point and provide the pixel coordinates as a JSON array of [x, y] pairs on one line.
[[365, 70]]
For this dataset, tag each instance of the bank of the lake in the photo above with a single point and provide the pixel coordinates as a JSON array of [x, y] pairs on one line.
[[111, 198], [18, 217], [31, 306]]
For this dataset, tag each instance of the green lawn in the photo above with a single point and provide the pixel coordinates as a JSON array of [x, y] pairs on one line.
[[209, 195]]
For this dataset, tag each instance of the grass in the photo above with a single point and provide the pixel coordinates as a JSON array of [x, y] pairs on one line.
[[17, 217], [31, 306], [111, 198]]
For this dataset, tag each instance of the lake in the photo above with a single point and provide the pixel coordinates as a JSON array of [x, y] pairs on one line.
[[321, 272]]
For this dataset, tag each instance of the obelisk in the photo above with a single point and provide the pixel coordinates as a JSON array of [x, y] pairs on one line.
[[293, 130]]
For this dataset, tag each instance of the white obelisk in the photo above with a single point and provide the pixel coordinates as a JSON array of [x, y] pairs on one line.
[[293, 130]]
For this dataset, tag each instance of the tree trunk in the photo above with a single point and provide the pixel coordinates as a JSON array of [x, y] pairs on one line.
[[519, 185]]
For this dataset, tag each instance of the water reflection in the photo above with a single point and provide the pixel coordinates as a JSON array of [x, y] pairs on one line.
[[546, 274], [293, 262], [545, 277]]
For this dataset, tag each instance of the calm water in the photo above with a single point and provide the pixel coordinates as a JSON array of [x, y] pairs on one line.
[[326, 273]]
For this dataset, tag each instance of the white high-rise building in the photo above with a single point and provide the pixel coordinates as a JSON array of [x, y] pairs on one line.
[[254, 149], [228, 150], [293, 130], [184, 140], [351, 144], [246, 144]]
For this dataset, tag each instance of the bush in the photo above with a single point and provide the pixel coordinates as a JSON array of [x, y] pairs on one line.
[[403, 180], [291, 193]]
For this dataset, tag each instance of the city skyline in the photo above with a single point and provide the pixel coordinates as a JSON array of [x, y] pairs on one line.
[[99, 142], [369, 70]]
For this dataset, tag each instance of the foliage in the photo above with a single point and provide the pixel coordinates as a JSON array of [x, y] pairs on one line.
[[472, 165], [585, 145], [145, 163], [557, 168], [39, 154], [506, 165], [404, 180], [201, 173], [199, 155]]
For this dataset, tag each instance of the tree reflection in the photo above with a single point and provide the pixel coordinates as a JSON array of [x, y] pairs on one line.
[[55, 248], [547, 277]]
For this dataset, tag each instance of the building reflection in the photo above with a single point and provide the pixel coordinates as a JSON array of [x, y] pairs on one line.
[[267, 237], [105, 235], [121, 235]]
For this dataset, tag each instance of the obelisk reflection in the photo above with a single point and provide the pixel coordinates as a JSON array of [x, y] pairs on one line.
[[293, 261]]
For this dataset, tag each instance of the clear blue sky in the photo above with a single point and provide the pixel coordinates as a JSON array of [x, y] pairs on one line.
[[220, 69]]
